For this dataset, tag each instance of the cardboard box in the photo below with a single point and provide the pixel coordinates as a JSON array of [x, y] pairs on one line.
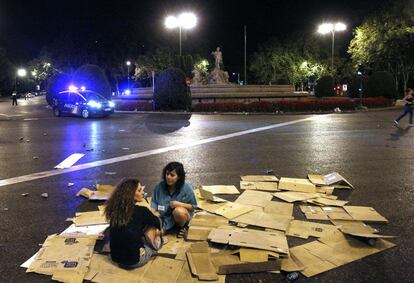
[[256, 198]]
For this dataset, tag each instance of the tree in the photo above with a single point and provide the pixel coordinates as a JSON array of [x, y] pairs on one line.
[[6, 71], [154, 61], [385, 42], [293, 61], [93, 78]]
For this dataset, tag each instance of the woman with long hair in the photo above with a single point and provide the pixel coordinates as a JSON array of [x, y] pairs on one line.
[[134, 234], [408, 108], [173, 198]]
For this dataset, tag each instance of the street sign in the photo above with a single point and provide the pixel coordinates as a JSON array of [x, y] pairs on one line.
[[344, 87]]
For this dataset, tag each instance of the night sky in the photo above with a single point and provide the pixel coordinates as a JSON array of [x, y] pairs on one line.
[[27, 26]]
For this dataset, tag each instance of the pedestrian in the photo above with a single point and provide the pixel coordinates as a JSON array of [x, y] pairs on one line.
[[134, 231], [14, 98], [408, 107], [174, 199]]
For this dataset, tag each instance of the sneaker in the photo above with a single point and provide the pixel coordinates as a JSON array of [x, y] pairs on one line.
[[396, 122]]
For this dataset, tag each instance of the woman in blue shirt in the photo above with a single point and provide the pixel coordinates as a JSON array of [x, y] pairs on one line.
[[173, 198]]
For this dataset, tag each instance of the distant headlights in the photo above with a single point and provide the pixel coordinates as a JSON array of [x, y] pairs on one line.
[[111, 104], [94, 104]]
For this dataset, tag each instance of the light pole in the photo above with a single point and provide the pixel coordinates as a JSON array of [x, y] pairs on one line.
[[185, 20], [331, 28], [128, 63], [20, 73]]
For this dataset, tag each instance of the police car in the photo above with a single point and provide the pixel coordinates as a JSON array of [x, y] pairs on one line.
[[85, 103]]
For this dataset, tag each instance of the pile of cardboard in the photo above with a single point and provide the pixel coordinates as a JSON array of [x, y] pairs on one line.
[[247, 235]]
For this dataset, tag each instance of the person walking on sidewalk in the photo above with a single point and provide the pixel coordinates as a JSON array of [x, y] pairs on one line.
[[408, 107], [14, 98]]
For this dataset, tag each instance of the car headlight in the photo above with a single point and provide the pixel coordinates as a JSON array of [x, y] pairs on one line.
[[111, 104], [94, 104]]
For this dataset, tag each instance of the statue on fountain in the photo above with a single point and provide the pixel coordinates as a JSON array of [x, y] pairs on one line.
[[217, 75]]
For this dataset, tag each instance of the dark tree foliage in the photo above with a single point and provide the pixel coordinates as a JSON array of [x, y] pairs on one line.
[[171, 91], [356, 83], [325, 87], [57, 83]]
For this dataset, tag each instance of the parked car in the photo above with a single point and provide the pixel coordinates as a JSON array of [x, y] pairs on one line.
[[84, 103]]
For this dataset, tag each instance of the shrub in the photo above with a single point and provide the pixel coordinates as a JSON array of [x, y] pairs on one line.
[[130, 105], [93, 78], [325, 87], [380, 84], [376, 102], [171, 91]]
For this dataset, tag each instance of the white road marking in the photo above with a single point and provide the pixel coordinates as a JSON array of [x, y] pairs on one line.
[[30, 119], [89, 165]]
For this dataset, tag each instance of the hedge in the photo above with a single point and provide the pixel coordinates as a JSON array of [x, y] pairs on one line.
[[313, 105]]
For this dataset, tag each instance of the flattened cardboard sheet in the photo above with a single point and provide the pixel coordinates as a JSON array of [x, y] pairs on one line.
[[265, 220], [208, 220], [198, 233], [261, 186], [209, 206], [304, 229], [231, 210], [93, 230], [253, 255], [250, 267], [327, 190], [314, 212], [89, 218], [67, 257], [259, 178], [330, 202], [291, 264], [316, 179], [337, 213], [207, 195], [174, 245], [365, 213], [279, 208], [222, 189], [337, 179], [295, 196], [103, 192], [271, 241], [353, 226], [200, 262], [186, 276], [256, 198], [297, 185], [162, 270], [223, 258], [333, 251], [102, 269]]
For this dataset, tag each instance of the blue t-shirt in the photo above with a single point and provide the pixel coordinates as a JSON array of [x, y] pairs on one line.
[[161, 201]]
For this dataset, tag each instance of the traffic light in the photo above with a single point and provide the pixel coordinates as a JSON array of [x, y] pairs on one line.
[[361, 70]]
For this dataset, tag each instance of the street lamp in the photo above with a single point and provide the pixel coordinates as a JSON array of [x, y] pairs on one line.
[[185, 20], [20, 73], [128, 63], [331, 28]]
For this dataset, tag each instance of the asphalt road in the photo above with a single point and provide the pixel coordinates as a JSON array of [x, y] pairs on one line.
[[376, 157]]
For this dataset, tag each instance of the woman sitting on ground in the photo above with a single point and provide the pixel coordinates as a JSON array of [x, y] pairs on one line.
[[134, 236], [173, 198]]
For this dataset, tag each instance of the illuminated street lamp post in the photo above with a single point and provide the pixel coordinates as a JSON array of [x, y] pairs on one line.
[[20, 73], [128, 63], [184, 20], [331, 28]]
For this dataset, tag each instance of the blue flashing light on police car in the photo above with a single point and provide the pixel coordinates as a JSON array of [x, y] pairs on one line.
[[83, 88], [127, 92], [72, 88]]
